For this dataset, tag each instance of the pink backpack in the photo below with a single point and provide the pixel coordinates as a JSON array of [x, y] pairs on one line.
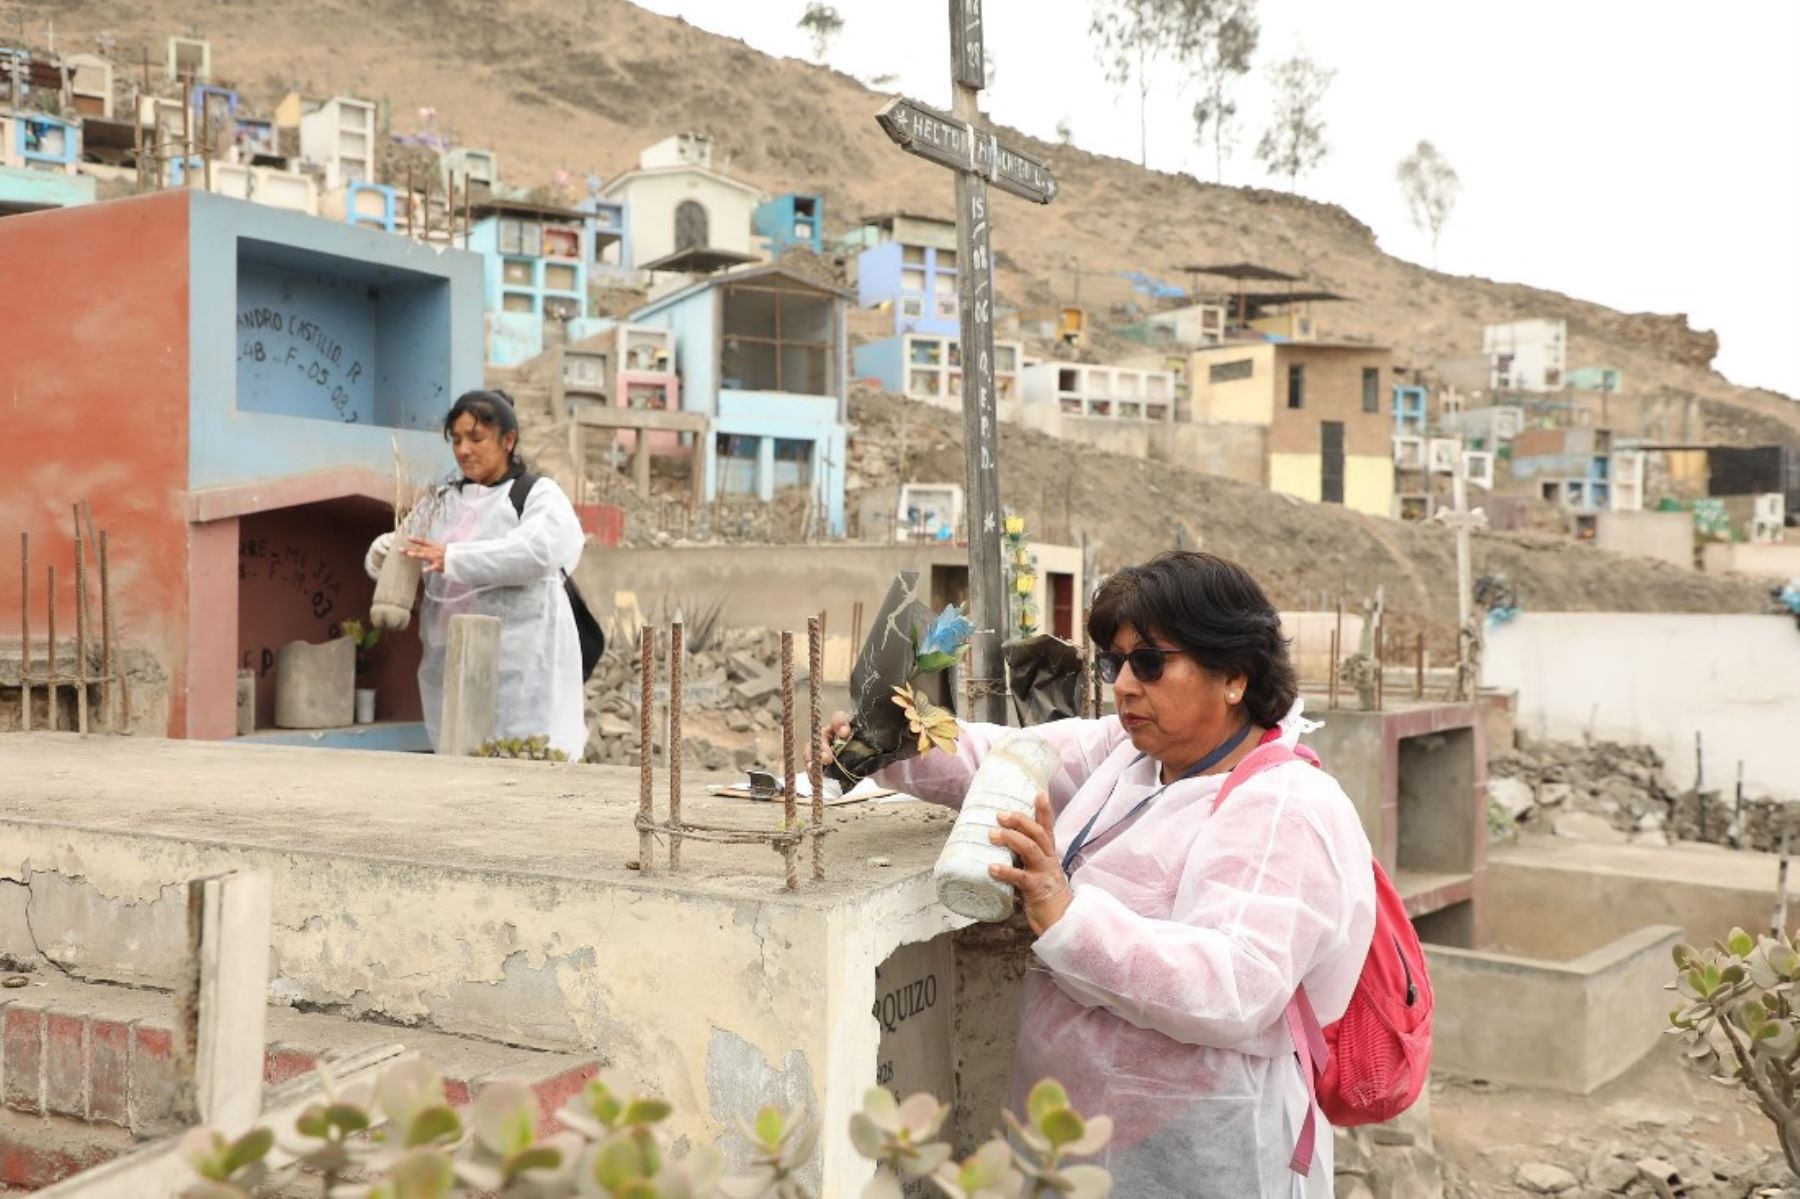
[[1372, 1063]]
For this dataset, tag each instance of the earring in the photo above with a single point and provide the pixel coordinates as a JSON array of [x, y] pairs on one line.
[[1231, 698]]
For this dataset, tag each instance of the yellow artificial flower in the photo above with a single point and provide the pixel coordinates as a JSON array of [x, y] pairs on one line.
[[935, 727], [1015, 526], [1024, 583]]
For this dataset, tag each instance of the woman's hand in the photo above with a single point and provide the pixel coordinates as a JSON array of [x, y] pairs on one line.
[[429, 552], [836, 729], [1039, 878]]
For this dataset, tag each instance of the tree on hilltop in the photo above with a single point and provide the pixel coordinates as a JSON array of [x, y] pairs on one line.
[[823, 23], [1220, 36], [1431, 189], [1294, 142]]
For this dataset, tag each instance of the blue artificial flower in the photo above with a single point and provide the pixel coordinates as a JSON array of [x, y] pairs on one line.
[[949, 633], [944, 643]]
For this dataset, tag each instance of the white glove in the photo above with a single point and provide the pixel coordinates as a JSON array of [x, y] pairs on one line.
[[378, 551]]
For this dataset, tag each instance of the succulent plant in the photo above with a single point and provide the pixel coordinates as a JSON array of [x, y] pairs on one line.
[[1740, 1020]]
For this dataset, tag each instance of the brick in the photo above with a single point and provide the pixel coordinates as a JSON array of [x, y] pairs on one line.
[[66, 1065], [23, 1042], [554, 1093], [30, 1165], [109, 1072], [281, 1065], [152, 1086]]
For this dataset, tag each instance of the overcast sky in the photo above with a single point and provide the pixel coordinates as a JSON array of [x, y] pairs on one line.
[[1644, 154]]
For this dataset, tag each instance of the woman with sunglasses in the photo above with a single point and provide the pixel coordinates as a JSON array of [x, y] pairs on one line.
[[1170, 938]]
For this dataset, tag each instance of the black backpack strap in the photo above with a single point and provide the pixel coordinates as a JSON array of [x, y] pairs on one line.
[[521, 487]]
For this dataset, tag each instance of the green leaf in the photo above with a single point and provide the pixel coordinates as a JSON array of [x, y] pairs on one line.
[[1099, 1132], [770, 1127], [421, 1174], [312, 1122], [252, 1147], [1685, 956], [883, 1186], [347, 1118], [932, 663], [646, 1111], [617, 1162], [1062, 1126], [538, 1157], [1740, 943], [1045, 1097], [432, 1125]]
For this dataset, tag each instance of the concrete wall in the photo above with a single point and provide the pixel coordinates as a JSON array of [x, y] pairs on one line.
[[653, 198], [95, 374], [1773, 561], [1570, 1026], [300, 576], [427, 344], [1248, 401], [1658, 679], [1665, 536], [778, 587], [1704, 890]]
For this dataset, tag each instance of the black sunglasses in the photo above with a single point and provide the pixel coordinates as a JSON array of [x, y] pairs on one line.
[[1146, 663]]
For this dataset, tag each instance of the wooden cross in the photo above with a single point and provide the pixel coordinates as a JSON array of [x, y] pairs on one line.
[[1468, 630], [953, 140]]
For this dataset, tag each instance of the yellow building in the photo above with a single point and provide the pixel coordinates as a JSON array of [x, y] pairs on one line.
[[1326, 429]]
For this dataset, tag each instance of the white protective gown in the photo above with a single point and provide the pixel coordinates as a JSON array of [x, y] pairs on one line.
[[499, 563], [1158, 998]]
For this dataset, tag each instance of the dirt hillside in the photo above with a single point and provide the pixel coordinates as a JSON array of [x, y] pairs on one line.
[[582, 85], [1131, 509]]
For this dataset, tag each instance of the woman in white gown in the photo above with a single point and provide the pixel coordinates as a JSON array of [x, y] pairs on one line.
[[487, 552]]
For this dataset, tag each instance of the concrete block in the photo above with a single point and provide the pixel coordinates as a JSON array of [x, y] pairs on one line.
[[1565, 1025], [471, 684], [315, 685], [65, 1065], [22, 1044], [97, 936], [152, 1085], [246, 702], [16, 944], [109, 1072]]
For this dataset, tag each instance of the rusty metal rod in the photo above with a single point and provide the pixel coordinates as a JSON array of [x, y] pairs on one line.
[[1331, 682], [25, 632], [81, 712], [815, 770], [646, 749], [1419, 668], [109, 715], [50, 657], [675, 650], [790, 817]]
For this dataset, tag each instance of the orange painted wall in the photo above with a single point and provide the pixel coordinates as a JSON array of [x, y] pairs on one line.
[[94, 392]]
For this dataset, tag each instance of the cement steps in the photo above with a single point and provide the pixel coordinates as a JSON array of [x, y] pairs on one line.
[[85, 1069]]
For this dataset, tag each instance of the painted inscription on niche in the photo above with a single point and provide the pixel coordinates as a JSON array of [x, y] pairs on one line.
[[305, 347], [914, 998], [294, 589]]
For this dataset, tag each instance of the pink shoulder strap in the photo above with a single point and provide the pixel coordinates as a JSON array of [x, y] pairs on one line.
[[1302, 1021]]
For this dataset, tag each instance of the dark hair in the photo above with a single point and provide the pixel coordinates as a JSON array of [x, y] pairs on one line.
[[491, 408], [1214, 610]]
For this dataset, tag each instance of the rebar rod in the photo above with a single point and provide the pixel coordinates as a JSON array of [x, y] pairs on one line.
[[50, 656], [108, 715], [676, 638], [25, 632], [790, 815], [81, 708], [815, 769], [646, 749]]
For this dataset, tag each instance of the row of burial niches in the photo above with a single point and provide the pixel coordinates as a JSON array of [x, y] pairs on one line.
[[337, 339]]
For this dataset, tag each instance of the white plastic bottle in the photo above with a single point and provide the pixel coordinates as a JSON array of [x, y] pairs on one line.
[[1010, 779]]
